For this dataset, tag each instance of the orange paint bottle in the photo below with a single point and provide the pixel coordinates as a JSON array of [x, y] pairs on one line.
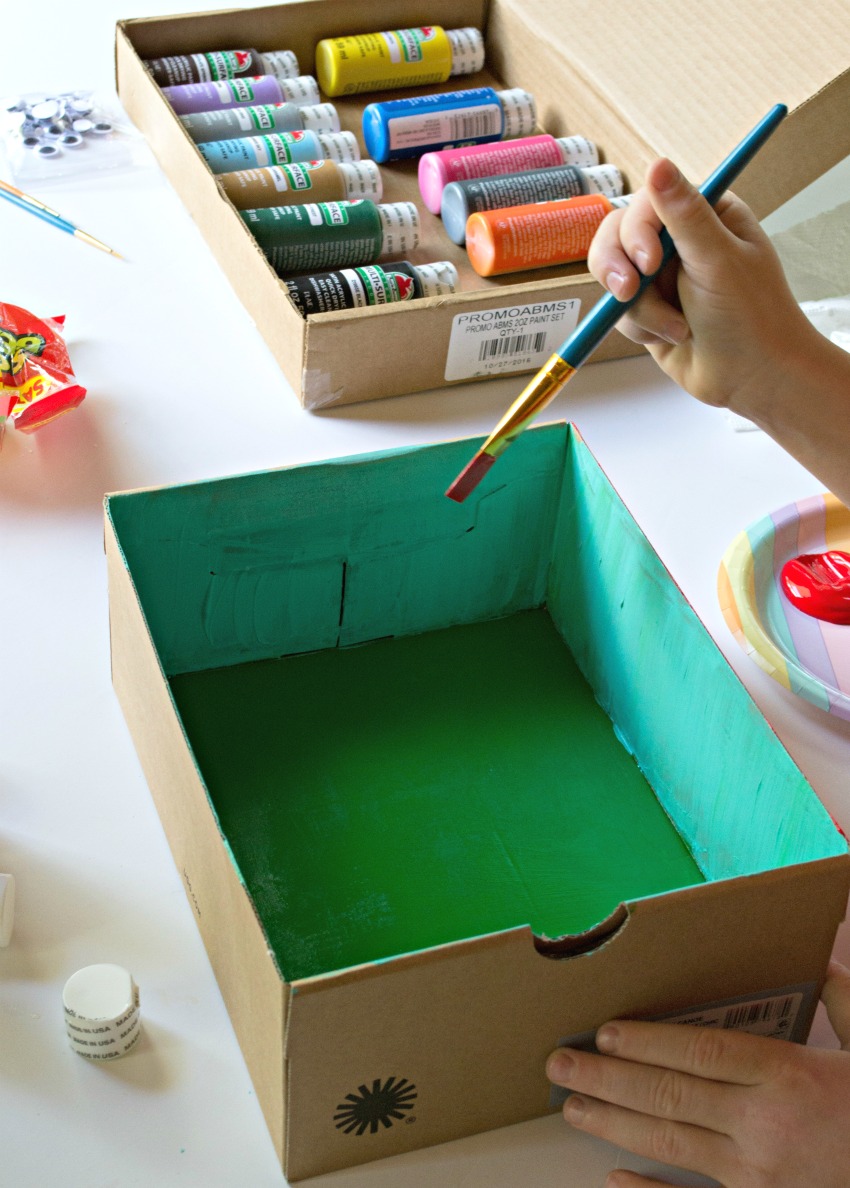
[[535, 236]]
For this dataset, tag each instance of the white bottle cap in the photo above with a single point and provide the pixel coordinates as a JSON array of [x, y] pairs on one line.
[[437, 279], [399, 227], [623, 201], [7, 908], [578, 150], [520, 113], [467, 50], [339, 146], [302, 91], [280, 63], [603, 179], [319, 117], [362, 180], [101, 1011]]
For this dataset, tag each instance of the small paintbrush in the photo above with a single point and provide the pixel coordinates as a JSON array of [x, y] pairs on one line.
[[42, 211], [599, 322]]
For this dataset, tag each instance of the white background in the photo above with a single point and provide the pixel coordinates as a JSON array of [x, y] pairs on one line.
[[181, 387]]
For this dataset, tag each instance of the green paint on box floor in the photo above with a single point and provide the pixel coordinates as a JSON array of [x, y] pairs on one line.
[[416, 791]]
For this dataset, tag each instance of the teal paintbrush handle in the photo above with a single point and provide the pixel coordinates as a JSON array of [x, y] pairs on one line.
[[608, 310], [38, 212]]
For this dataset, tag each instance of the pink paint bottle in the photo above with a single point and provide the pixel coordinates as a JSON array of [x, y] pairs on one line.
[[436, 170]]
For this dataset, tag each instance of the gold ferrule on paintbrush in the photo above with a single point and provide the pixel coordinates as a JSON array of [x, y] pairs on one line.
[[546, 384]]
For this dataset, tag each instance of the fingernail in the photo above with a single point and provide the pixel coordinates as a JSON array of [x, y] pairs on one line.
[[574, 1108], [667, 176], [607, 1038], [560, 1067], [615, 283], [642, 260]]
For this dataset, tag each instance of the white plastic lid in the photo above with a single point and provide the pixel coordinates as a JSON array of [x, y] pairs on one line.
[[7, 908], [399, 228], [280, 63], [302, 91], [362, 180], [578, 150], [467, 50], [319, 117], [101, 1011], [520, 113], [437, 278], [623, 201], [339, 146], [603, 179]]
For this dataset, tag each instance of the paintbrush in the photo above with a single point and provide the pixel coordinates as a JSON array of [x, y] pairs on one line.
[[42, 211], [599, 322]]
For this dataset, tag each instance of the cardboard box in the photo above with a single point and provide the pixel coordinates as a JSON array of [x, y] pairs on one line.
[[448, 784], [682, 80]]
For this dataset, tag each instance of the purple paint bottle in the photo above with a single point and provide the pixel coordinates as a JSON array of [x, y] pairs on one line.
[[238, 92]]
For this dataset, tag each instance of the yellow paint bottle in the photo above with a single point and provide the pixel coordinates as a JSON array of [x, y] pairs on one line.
[[396, 58]]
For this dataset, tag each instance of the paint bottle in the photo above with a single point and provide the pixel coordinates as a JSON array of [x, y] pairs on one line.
[[535, 236], [305, 181], [463, 198], [230, 123], [355, 288], [396, 58], [399, 128], [436, 170], [279, 148], [319, 236], [242, 92], [179, 69]]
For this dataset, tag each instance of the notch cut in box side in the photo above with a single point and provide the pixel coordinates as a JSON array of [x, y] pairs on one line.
[[245, 968], [731, 788], [493, 1008]]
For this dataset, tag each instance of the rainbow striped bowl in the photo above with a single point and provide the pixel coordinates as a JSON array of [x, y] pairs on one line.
[[808, 656]]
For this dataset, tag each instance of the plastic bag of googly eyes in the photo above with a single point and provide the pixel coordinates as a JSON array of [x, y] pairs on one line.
[[46, 135]]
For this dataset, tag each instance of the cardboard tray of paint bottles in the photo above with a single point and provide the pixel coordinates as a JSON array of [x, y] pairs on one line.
[[680, 83], [448, 784]]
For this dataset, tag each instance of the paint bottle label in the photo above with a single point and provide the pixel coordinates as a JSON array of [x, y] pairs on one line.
[[277, 148], [179, 69], [260, 118], [536, 236], [317, 236], [398, 128], [348, 288], [396, 58]]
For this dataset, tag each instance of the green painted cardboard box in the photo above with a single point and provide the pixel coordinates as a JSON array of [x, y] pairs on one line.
[[450, 783]]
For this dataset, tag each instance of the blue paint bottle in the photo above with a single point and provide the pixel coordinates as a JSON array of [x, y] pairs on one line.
[[399, 128]]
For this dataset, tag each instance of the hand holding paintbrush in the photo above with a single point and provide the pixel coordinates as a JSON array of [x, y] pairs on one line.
[[598, 323]]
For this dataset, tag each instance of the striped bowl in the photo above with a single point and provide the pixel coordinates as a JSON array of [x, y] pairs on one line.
[[806, 655]]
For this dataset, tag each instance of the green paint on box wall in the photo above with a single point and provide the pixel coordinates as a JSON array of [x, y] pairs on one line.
[[255, 566], [738, 799], [412, 792]]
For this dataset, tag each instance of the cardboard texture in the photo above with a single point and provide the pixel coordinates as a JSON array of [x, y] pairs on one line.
[[673, 79], [404, 1044]]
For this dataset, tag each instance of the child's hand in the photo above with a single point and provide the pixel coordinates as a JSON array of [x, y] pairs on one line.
[[721, 319], [748, 1111]]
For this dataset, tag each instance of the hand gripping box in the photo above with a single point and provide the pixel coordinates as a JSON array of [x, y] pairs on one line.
[[450, 783], [680, 79]]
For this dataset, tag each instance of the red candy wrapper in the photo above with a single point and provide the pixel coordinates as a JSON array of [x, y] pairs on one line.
[[37, 382]]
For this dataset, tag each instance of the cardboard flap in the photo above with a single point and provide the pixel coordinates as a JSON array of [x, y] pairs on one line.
[[686, 82]]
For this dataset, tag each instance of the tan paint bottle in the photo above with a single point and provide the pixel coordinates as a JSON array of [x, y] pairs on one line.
[[302, 182]]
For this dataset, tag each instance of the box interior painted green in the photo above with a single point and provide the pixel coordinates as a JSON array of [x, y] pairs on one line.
[[389, 797], [332, 768]]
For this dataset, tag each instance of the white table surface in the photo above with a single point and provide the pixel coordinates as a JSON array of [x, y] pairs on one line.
[[182, 387]]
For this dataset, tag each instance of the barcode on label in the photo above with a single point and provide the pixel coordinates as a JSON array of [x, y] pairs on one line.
[[758, 1012], [516, 344], [465, 125]]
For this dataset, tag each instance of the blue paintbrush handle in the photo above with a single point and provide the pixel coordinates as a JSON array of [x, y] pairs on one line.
[[38, 212], [608, 310]]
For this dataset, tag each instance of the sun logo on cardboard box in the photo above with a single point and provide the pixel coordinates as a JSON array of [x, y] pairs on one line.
[[381, 1105]]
